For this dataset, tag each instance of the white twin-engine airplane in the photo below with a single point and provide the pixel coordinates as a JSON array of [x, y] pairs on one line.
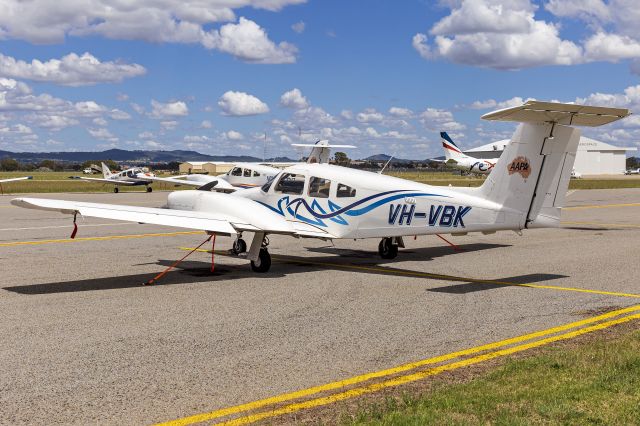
[[130, 177], [459, 160], [249, 175], [526, 189]]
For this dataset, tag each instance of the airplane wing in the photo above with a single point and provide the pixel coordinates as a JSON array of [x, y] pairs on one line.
[[112, 181], [251, 216], [15, 179], [221, 185]]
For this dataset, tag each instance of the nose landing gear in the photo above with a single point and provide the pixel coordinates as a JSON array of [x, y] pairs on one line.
[[263, 262]]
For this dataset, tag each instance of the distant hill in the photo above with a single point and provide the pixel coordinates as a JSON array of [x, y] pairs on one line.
[[124, 156], [385, 157]]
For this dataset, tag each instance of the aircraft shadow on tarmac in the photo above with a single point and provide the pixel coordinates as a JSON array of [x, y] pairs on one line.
[[192, 272]]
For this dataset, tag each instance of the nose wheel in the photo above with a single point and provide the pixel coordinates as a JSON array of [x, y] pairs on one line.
[[387, 248], [116, 189], [239, 246]]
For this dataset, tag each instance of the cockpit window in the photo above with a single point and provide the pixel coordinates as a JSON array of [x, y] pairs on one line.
[[247, 173], [345, 191], [236, 171], [319, 187], [266, 186], [290, 183]]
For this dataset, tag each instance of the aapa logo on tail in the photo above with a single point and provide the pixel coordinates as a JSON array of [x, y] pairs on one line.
[[521, 166]]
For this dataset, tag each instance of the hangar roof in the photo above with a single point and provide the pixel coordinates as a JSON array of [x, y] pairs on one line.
[[586, 144]]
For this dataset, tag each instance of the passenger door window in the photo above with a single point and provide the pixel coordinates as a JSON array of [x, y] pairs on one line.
[[319, 187]]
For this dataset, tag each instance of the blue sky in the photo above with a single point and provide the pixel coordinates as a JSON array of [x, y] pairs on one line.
[[216, 75]]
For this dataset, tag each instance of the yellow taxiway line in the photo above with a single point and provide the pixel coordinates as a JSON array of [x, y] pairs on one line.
[[603, 225], [109, 237], [602, 206], [491, 351], [418, 274]]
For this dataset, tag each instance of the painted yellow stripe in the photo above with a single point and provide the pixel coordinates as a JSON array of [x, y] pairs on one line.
[[418, 274], [395, 370], [602, 206], [421, 375], [110, 237], [604, 225]]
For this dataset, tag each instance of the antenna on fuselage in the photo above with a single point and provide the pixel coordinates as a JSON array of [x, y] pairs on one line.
[[386, 164]]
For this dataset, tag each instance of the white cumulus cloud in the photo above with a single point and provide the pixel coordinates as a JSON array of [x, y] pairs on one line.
[[70, 70], [293, 99], [241, 104], [170, 109]]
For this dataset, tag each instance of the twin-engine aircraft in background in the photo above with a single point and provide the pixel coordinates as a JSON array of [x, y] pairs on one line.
[[249, 175], [130, 177], [525, 189], [456, 159]]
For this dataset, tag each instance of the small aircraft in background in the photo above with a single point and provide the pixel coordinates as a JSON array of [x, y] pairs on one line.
[[130, 177], [13, 180], [249, 175], [456, 159], [526, 189], [241, 176]]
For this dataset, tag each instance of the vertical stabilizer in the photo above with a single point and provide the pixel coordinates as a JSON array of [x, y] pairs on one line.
[[105, 171], [451, 150], [531, 178]]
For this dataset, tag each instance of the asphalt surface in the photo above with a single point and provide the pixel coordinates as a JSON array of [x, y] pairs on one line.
[[83, 342]]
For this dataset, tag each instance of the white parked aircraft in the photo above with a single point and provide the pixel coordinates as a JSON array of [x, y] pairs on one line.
[[13, 180], [130, 177], [242, 175], [249, 175], [526, 189], [459, 160]]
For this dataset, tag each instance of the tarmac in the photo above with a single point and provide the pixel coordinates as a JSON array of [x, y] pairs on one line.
[[84, 342]]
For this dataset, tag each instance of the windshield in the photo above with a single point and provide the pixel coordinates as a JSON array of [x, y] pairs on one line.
[[266, 186]]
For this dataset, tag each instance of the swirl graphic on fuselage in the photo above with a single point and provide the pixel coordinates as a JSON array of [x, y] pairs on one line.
[[357, 208]]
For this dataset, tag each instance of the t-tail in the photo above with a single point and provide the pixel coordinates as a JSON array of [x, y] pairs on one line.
[[105, 171], [451, 150], [532, 175], [320, 151]]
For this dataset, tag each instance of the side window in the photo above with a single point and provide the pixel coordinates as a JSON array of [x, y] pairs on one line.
[[345, 191], [236, 171], [255, 174], [290, 184], [319, 187], [247, 172]]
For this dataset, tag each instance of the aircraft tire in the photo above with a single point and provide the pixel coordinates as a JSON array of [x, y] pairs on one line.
[[239, 246], [263, 264], [387, 249], [149, 189], [116, 189]]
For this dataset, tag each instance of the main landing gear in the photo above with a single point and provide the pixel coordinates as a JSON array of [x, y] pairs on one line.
[[388, 248], [149, 189], [239, 246], [263, 262], [116, 189]]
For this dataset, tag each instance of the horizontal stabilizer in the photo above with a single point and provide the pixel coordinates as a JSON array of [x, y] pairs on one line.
[[312, 145], [551, 112]]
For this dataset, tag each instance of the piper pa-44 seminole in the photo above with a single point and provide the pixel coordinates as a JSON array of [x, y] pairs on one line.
[[525, 189], [456, 159], [248, 175], [130, 177]]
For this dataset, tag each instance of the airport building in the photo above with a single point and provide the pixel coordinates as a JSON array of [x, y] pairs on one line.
[[210, 167], [593, 157]]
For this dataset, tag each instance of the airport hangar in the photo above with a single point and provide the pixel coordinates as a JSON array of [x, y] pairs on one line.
[[593, 157]]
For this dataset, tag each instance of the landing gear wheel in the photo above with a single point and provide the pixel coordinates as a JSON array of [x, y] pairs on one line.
[[239, 246], [116, 189], [149, 189], [387, 249], [263, 264]]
